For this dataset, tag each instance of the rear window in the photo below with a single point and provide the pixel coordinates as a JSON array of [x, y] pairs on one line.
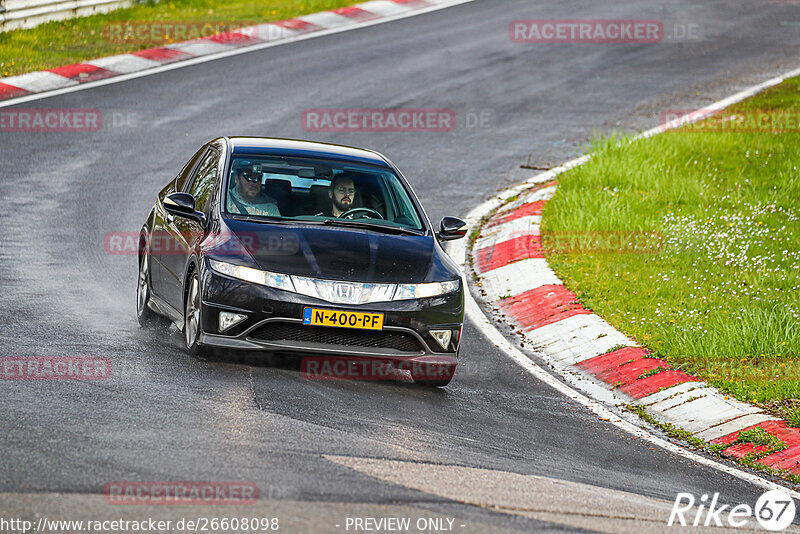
[[314, 190]]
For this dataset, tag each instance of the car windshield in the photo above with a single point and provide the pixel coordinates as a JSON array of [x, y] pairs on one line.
[[310, 190]]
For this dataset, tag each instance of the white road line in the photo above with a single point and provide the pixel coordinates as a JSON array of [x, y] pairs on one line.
[[235, 52]]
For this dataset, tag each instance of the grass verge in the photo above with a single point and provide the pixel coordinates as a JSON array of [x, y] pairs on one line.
[[689, 242], [146, 24]]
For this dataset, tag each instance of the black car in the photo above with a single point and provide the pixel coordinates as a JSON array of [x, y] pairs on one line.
[[284, 245]]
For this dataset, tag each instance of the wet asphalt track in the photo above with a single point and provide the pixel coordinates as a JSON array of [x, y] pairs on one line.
[[166, 416]]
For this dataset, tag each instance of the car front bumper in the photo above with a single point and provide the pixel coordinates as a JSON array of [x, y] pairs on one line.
[[274, 323]]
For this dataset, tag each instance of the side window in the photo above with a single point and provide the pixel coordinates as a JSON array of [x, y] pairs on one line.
[[205, 179], [180, 182]]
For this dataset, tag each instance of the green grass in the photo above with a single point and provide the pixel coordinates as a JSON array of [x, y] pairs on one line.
[[760, 437], [793, 418], [693, 248], [62, 43]]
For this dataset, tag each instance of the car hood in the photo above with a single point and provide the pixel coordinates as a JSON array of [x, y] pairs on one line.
[[340, 253]]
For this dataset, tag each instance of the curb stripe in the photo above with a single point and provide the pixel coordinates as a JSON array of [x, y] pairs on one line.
[[298, 25], [612, 359], [682, 397], [733, 426], [162, 54], [236, 38], [273, 32], [542, 306], [630, 371], [520, 248], [385, 8], [201, 47], [355, 13], [326, 19], [671, 393], [82, 72], [576, 338], [648, 386], [530, 208], [9, 91], [518, 277], [788, 458], [520, 227], [124, 63], [37, 82]]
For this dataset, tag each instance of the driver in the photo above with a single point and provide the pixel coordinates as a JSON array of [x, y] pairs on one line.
[[342, 192], [246, 198]]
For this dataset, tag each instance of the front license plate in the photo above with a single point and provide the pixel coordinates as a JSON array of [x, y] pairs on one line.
[[343, 319]]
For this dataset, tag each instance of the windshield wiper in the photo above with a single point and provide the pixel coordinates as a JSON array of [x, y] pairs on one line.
[[265, 219], [350, 223]]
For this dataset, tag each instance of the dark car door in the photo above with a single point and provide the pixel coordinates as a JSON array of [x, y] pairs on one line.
[[159, 232], [185, 233]]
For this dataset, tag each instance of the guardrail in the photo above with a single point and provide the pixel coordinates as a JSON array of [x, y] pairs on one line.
[[16, 14]]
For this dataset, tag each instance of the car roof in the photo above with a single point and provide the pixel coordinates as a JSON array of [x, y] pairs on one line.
[[253, 146]]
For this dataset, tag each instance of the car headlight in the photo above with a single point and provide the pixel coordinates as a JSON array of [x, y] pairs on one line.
[[421, 291], [256, 276], [338, 292]]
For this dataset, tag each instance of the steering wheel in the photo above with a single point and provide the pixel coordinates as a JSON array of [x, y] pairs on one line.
[[351, 213]]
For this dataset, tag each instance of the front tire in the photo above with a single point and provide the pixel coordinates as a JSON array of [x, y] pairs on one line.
[[191, 317], [439, 376], [432, 383], [144, 314]]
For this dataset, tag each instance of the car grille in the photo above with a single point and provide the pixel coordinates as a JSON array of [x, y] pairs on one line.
[[337, 336]]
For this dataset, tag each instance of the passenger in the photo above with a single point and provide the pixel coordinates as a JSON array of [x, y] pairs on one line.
[[246, 198]]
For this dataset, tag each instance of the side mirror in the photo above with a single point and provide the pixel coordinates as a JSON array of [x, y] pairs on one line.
[[183, 205], [451, 228]]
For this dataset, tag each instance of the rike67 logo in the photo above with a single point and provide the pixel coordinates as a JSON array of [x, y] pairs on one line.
[[774, 511]]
